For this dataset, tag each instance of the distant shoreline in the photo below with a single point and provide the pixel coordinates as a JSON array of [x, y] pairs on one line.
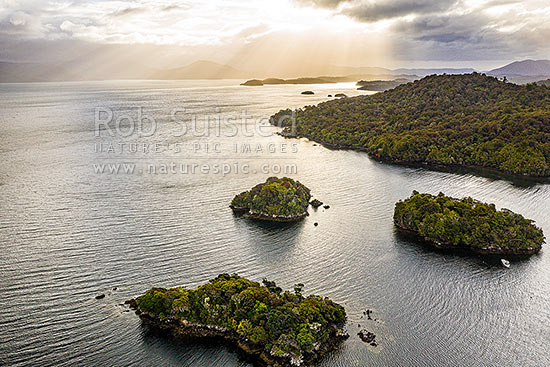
[[326, 79]]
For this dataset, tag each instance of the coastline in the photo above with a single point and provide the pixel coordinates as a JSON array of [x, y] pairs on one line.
[[431, 166], [274, 218], [471, 249], [185, 330], [246, 213]]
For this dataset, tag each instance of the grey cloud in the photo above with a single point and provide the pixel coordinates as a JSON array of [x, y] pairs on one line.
[[442, 28], [468, 36], [448, 29], [379, 10]]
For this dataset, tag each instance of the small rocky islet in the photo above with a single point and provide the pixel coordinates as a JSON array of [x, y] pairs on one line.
[[316, 203], [275, 327], [467, 224], [277, 200]]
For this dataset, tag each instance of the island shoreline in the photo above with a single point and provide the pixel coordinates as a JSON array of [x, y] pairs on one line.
[[192, 332], [431, 166], [519, 253]]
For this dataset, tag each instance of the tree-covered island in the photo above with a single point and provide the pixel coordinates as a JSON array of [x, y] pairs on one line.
[[380, 85], [470, 120], [277, 199], [276, 327], [446, 222]]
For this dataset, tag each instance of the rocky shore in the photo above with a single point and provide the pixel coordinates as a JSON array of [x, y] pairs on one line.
[[274, 217], [300, 331], [487, 250], [450, 167], [191, 331]]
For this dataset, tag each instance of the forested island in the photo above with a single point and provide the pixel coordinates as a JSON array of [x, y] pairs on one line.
[[276, 327], [319, 79], [470, 120], [380, 85], [277, 199], [445, 222], [311, 80]]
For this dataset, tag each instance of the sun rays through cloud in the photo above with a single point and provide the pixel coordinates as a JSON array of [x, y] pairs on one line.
[[258, 34]]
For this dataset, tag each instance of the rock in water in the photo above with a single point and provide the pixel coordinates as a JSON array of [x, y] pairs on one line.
[[367, 337], [315, 203]]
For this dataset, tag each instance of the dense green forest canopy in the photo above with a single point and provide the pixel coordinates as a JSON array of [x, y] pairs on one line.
[[467, 223], [380, 85], [277, 196], [278, 321], [466, 120]]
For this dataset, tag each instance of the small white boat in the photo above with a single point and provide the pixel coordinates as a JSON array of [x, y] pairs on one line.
[[505, 263]]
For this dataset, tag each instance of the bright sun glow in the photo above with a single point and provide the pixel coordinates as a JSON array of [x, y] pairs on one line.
[[260, 32]]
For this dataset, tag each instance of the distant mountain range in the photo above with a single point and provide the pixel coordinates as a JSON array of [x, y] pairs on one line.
[[107, 66], [525, 68], [201, 70], [83, 69], [425, 72], [524, 71]]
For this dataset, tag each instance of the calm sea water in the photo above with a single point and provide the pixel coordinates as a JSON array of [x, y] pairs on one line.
[[68, 233]]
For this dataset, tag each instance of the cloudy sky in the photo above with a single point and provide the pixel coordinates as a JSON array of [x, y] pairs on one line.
[[252, 33]]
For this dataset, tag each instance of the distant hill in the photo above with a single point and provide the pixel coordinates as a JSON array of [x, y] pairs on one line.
[[437, 71], [544, 82], [421, 72], [469, 120], [107, 64], [71, 71], [31, 72], [201, 70], [525, 68], [108, 67]]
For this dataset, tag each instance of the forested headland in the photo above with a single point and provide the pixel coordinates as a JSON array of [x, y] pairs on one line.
[[470, 120]]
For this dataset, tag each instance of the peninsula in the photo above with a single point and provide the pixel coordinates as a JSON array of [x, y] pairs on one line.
[[470, 120], [445, 222], [275, 327]]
